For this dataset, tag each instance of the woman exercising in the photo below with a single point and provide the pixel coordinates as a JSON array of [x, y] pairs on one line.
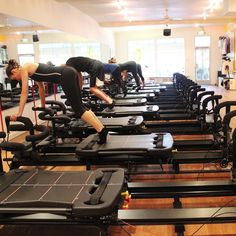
[[140, 74], [66, 76], [129, 66], [114, 71], [96, 70]]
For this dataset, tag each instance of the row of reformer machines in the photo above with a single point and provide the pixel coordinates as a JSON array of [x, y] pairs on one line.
[[143, 128]]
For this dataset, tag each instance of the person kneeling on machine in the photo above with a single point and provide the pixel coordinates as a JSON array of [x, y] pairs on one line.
[[65, 76], [95, 69]]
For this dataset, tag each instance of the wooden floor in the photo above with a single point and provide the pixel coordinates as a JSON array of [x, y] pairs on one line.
[[198, 230]]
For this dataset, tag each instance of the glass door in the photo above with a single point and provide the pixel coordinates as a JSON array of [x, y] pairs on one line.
[[202, 68]]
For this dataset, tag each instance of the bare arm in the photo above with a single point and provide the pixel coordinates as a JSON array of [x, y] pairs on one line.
[[24, 91], [124, 74], [41, 93]]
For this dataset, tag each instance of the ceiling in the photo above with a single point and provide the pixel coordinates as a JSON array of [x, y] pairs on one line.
[[11, 21], [140, 12], [146, 12]]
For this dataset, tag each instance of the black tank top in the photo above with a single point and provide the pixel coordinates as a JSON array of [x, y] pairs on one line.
[[83, 64], [46, 73]]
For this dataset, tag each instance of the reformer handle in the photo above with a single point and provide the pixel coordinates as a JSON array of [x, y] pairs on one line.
[[57, 105], [60, 119], [228, 117], [227, 105], [45, 114], [45, 109], [26, 124], [44, 132]]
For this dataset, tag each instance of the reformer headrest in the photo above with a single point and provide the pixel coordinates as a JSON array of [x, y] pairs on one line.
[[26, 124]]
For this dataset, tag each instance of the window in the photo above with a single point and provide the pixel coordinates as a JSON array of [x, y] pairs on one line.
[[25, 53], [170, 57], [91, 50], [141, 51], [57, 53], [202, 58]]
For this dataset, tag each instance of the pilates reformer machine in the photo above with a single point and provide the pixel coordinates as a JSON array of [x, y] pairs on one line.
[[95, 199], [89, 199], [125, 150]]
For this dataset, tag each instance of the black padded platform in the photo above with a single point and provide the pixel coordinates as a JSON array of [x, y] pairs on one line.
[[133, 96], [146, 145], [131, 102], [116, 123], [142, 91], [85, 193], [130, 111], [154, 86]]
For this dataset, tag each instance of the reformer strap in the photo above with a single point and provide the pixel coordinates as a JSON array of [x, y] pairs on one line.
[[96, 196]]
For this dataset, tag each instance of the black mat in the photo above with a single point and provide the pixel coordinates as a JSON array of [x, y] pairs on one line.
[[143, 145], [122, 111], [60, 192]]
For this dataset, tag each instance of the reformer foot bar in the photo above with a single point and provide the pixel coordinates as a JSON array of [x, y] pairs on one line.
[[95, 198]]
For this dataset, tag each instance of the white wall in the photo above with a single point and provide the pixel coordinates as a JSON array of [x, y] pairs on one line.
[[57, 15], [122, 38]]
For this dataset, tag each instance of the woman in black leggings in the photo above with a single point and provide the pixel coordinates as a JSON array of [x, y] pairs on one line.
[[65, 76], [140, 74], [96, 70], [130, 66]]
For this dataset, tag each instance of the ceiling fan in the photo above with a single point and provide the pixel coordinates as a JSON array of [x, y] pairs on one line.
[[167, 19]]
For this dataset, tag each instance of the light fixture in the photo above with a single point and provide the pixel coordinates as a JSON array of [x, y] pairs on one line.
[[119, 4], [123, 10], [214, 5]]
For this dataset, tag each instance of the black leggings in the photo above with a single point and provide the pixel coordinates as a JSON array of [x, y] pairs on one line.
[[70, 85], [96, 72], [116, 76], [134, 72], [139, 70]]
